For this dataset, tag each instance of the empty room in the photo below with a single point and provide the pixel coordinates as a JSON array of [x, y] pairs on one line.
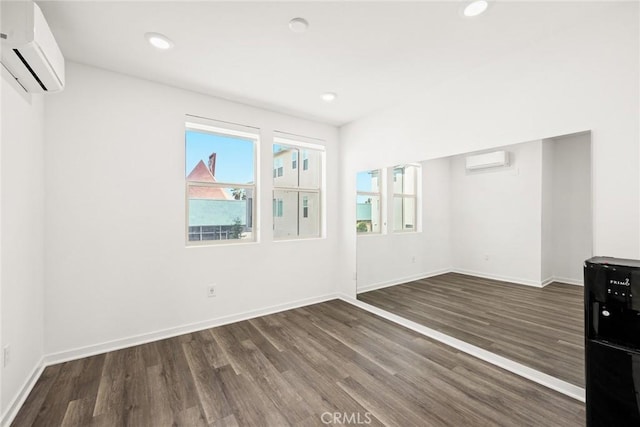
[[267, 213]]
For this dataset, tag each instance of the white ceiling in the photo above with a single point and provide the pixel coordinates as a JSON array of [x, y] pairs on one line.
[[372, 54]]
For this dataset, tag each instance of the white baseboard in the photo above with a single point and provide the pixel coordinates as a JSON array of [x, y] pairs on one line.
[[92, 350], [515, 280], [546, 282], [565, 280], [568, 281], [17, 402], [531, 374], [388, 283]]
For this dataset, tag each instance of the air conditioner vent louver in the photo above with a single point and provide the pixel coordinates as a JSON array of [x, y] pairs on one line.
[[28, 67]]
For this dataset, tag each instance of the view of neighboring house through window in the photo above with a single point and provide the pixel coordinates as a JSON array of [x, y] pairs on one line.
[[220, 183], [405, 180], [278, 167], [296, 191], [368, 203]]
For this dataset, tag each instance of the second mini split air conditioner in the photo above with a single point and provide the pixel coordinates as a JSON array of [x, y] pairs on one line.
[[487, 160]]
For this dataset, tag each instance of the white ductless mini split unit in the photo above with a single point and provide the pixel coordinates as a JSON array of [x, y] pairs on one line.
[[29, 50], [487, 160]]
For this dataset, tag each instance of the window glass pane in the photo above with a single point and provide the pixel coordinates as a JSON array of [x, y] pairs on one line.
[[285, 174], [368, 214], [397, 214], [217, 158], [285, 222], [410, 173], [409, 212], [398, 180], [311, 168], [217, 213], [369, 181], [404, 213], [309, 215], [296, 210]]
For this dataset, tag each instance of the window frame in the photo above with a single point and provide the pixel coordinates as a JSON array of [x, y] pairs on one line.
[[224, 129], [402, 196], [299, 143]]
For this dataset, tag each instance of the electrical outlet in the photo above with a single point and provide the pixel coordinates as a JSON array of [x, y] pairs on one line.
[[211, 291], [486, 257], [413, 260], [6, 356]]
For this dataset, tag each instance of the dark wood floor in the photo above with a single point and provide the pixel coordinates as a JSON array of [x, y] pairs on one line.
[[288, 369], [540, 328]]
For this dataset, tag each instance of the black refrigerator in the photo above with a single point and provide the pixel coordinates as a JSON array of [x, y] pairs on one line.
[[612, 341]]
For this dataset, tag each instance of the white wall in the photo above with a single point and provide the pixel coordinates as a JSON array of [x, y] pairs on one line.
[[22, 222], [495, 226], [116, 261], [579, 78], [571, 207], [392, 258]]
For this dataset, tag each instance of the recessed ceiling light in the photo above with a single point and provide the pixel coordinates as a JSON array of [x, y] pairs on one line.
[[298, 25], [329, 97], [475, 8], [159, 41]]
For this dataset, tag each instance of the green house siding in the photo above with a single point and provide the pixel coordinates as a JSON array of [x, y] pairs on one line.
[[203, 212], [363, 212]]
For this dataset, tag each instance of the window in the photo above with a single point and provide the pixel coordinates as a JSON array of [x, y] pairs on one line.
[[277, 207], [298, 191], [278, 168], [368, 202], [220, 181], [405, 180]]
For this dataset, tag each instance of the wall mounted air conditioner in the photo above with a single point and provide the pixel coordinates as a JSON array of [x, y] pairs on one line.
[[29, 50], [487, 160]]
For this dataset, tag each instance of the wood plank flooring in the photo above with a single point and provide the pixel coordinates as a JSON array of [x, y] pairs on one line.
[[540, 328], [291, 368]]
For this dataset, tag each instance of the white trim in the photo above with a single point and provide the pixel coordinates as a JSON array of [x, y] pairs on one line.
[[202, 124], [388, 283], [293, 141], [541, 378], [568, 281], [515, 280], [564, 280], [17, 402], [412, 278], [91, 350], [546, 282]]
